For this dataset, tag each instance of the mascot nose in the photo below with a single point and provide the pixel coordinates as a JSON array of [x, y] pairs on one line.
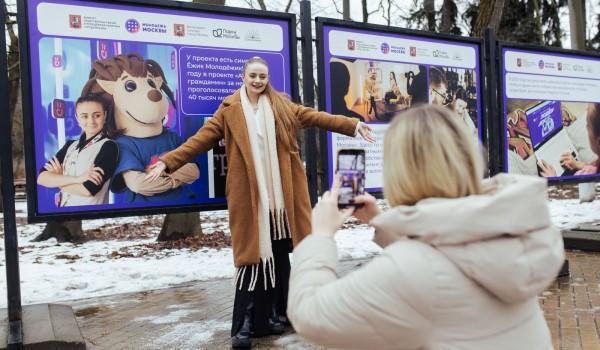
[[154, 95]]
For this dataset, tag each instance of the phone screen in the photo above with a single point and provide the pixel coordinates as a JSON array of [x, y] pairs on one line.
[[351, 170]]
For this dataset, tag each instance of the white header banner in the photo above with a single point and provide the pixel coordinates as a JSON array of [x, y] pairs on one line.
[[534, 63], [112, 24], [378, 47]]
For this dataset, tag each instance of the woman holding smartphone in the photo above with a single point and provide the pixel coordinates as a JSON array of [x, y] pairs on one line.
[[463, 261], [267, 192]]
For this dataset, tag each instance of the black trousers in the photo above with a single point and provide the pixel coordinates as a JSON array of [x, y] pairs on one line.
[[264, 299]]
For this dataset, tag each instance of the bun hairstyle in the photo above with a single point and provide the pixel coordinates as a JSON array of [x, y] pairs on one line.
[[287, 126]]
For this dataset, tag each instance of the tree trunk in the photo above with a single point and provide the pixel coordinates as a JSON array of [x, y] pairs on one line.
[[489, 15], [538, 21], [1, 198], [346, 10], [63, 231], [449, 13], [17, 138], [587, 190], [429, 7], [14, 96], [577, 24], [179, 226]]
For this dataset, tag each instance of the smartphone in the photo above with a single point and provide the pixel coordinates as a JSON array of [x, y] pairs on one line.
[[351, 170]]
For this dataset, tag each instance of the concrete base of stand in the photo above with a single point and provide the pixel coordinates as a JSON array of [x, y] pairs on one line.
[[584, 238], [45, 327]]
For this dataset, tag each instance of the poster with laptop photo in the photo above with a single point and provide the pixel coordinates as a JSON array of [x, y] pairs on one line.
[[548, 138]]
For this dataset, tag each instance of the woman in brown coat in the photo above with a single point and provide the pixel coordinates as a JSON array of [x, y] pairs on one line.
[[266, 189]]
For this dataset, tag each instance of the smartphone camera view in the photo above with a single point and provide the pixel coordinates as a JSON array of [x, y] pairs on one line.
[[351, 169]]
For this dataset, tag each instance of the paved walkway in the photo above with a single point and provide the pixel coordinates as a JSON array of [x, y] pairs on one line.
[[197, 315]]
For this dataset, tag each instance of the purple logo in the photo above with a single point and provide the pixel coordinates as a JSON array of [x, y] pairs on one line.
[[541, 64], [102, 50], [58, 108], [56, 61], [132, 26], [385, 48]]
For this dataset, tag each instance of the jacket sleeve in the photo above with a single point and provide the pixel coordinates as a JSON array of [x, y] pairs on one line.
[[310, 117], [204, 139], [365, 309]]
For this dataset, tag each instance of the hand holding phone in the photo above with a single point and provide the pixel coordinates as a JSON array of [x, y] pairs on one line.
[[351, 172], [326, 216]]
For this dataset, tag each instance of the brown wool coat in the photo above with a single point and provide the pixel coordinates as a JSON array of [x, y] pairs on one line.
[[241, 187]]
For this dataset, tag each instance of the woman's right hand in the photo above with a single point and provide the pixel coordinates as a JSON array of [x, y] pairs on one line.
[[158, 170], [369, 210], [54, 166], [326, 217], [546, 169]]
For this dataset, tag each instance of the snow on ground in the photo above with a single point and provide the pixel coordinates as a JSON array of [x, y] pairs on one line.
[[190, 335], [569, 213], [49, 275]]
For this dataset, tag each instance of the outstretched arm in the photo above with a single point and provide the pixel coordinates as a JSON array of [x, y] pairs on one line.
[[204, 139], [309, 117]]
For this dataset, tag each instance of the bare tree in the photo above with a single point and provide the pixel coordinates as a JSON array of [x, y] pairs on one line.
[[449, 18], [386, 10], [365, 11], [488, 16], [429, 9], [422, 15], [14, 93]]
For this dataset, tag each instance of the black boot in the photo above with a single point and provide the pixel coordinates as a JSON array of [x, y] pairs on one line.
[[275, 325], [243, 338]]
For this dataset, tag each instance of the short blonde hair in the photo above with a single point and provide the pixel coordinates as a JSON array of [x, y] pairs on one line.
[[428, 152]]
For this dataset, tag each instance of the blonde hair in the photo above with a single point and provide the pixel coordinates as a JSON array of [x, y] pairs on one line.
[[427, 153], [287, 125]]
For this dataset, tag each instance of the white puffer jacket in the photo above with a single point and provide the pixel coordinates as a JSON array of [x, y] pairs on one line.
[[454, 274]]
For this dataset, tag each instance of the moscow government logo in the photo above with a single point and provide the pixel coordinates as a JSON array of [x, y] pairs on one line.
[[385, 48], [132, 26]]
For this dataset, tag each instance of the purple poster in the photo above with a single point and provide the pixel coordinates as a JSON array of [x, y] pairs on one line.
[[374, 75], [549, 101], [160, 74]]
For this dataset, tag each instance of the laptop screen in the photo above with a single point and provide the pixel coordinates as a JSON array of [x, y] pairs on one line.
[[543, 120]]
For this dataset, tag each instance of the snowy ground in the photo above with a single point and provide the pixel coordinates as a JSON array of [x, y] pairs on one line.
[[52, 272]]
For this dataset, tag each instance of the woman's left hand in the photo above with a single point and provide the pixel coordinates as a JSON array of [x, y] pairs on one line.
[[365, 131], [326, 217]]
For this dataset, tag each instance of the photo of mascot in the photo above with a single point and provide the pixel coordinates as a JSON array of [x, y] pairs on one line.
[[133, 88]]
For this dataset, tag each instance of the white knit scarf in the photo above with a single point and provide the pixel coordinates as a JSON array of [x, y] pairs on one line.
[[272, 216]]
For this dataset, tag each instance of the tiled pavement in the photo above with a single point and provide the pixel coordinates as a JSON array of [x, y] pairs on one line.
[[184, 316], [572, 304]]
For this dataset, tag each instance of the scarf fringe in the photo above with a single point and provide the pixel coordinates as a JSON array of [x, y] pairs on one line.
[[268, 268], [280, 226]]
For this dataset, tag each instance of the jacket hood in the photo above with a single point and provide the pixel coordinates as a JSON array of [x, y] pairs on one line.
[[503, 239]]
